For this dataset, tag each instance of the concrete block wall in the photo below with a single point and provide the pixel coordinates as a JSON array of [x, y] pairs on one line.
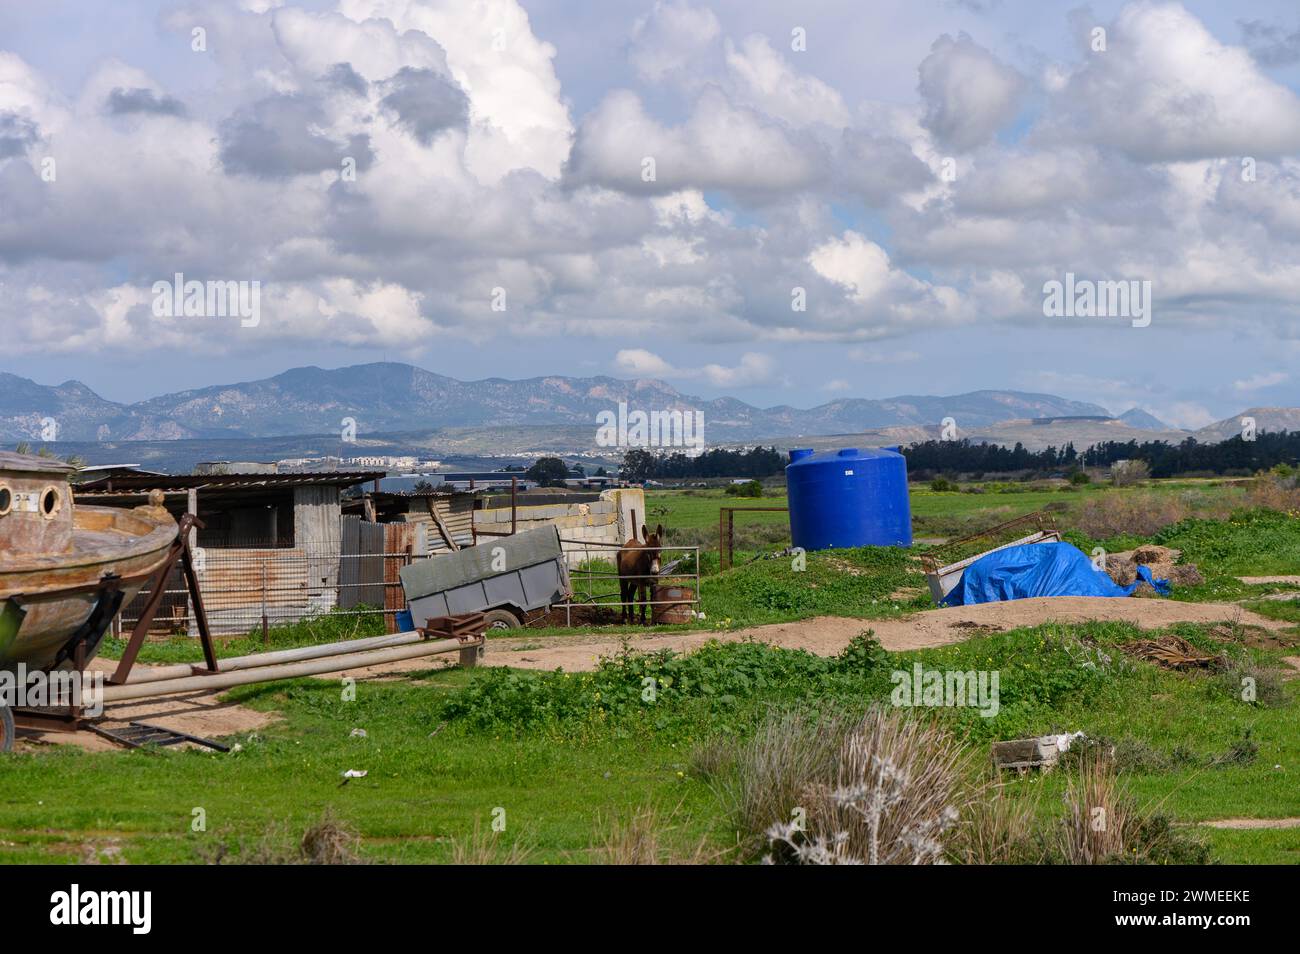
[[607, 520]]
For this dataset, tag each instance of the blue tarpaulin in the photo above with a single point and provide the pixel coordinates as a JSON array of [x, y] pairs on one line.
[[1039, 569]]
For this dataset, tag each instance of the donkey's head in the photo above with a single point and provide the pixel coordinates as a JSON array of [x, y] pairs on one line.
[[653, 541]]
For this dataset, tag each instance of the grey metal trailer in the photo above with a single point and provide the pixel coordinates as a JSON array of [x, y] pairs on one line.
[[504, 579]]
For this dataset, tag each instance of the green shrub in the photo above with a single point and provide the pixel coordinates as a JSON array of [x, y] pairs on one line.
[[667, 691], [751, 488]]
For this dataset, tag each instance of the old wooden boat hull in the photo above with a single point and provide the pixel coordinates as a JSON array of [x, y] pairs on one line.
[[46, 598]]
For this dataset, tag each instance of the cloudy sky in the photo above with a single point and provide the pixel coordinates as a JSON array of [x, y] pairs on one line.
[[784, 202]]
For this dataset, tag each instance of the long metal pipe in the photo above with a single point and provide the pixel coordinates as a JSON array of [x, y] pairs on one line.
[[315, 667], [258, 660]]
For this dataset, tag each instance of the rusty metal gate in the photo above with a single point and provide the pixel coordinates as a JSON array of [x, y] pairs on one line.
[[361, 564]]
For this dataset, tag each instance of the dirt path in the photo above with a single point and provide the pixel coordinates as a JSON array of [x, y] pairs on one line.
[[828, 635], [1241, 823]]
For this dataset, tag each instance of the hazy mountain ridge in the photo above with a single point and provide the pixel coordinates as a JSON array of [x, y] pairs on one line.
[[1271, 419], [393, 397], [1143, 420]]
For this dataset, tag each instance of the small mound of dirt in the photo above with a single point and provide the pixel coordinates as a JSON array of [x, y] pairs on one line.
[[1161, 561], [1151, 553], [1122, 571]]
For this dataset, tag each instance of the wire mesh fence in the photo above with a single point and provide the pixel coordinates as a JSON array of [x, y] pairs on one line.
[[250, 588]]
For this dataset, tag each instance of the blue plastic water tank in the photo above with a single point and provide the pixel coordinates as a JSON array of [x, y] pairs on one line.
[[848, 498]]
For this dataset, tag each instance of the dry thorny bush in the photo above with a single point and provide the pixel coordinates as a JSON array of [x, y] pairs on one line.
[[1275, 493], [831, 788], [891, 788], [1102, 820], [999, 830], [644, 838], [487, 847], [329, 841], [1141, 514]]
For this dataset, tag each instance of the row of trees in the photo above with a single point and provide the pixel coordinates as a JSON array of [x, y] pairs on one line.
[[931, 458], [953, 457], [1267, 450], [640, 464], [1163, 458]]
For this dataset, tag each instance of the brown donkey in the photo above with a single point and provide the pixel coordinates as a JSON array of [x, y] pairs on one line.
[[638, 565]]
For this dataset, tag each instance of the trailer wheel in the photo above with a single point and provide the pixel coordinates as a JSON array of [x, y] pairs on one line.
[[6, 729], [501, 619]]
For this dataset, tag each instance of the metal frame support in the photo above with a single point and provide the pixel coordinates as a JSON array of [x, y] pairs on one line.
[[180, 550]]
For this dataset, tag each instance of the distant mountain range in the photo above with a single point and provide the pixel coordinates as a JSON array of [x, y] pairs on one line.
[[1143, 421], [391, 397], [399, 405], [1273, 419]]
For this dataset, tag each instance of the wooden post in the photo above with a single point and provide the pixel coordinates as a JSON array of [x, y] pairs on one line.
[[266, 629], [192, 506], [726, 527]]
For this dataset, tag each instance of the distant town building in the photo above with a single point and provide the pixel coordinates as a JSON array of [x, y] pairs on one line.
[[463, 480], [391, 464], [212, 467], [377, 461]]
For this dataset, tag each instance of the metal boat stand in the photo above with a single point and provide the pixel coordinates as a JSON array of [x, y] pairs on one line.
[[463, 634], [180, 551]]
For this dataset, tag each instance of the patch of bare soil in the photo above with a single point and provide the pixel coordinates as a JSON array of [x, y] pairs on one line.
[[1250, 823], [199, 713], [593, 615], [828, 635], [1254, 636]]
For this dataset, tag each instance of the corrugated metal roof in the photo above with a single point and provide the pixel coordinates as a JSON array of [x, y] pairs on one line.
[[31, 464], [126, 483]]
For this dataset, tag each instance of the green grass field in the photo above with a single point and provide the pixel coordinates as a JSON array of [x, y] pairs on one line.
[[568, 759]]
